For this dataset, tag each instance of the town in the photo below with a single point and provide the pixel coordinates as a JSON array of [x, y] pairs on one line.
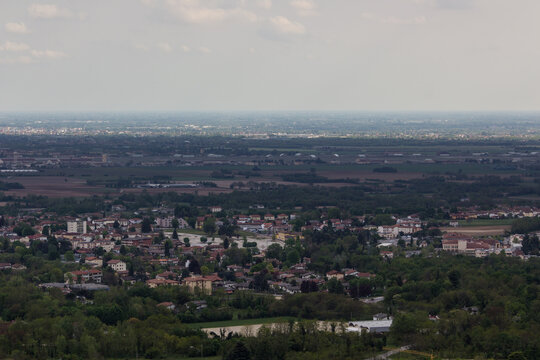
[[219, 251]]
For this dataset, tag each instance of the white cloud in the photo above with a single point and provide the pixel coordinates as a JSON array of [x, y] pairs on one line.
[[47, 54], [204, 50], [304, 7], [140, 47], [418, 20], [303, 4], [404, 21], [265, 4], [448, 4], [24, 59], [48, 11], [192, 11], [16, 28], [14, 47], [151, 3], [286, 26], [165, 47]]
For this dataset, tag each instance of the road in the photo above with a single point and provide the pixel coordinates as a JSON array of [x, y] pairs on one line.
[[387, 354]]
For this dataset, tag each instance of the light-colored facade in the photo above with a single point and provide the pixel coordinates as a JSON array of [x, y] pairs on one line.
[[117, 265], [76, 227], [201, 283]]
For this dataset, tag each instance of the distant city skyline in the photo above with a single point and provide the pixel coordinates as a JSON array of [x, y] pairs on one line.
[[267, 55]]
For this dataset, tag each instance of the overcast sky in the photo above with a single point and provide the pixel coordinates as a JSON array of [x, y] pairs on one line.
[[270, 55]]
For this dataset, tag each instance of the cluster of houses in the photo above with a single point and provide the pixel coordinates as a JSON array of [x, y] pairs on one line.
[[482, 247], [94, 235], [501, 212]]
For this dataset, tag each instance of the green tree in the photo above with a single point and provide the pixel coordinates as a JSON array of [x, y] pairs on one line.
[[146, 225], [167, 248], [239, 352], [209, 225], [274, 251], [68, 256], [334, 286]]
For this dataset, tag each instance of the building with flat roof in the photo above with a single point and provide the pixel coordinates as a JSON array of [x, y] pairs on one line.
[[76, 227]]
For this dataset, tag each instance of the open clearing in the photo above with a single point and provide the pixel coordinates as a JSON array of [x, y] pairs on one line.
[[263, 241], [250, 327]]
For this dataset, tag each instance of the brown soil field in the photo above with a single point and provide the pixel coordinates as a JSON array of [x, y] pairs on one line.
[[363, 175], [478, 230], [54, 186], [341, 174], [58, 186], [199, 191]]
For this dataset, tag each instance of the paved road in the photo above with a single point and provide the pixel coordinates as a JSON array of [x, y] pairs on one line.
[[387, 354]]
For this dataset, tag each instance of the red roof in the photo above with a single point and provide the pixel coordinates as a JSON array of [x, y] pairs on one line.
[[86, 272], [203, 278]]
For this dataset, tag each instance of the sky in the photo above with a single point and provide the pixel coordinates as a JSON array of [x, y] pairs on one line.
[[269, 55]]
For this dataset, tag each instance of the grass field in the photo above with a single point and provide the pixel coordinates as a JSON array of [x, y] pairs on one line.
[[187, 358], [196, 173], [191, 231], [486, 222], [73, 181], [491, 230], [240, 322]]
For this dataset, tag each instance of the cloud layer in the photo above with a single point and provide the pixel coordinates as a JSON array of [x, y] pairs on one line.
[[16, 28], [48, 11], [270, 54]]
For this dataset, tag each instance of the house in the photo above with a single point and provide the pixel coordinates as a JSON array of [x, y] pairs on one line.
[[269, 217], [450, 245], [373, 326], [165, 222], [18, 267], [334, 275], [167, 305], [197, 305], [201, 283], [153, 283], [84, 276], [166, 275], [282, 217], [199, 222], [117, 265], [93, 261]]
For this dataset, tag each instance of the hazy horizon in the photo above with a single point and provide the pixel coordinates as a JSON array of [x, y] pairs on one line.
[[267, 55]]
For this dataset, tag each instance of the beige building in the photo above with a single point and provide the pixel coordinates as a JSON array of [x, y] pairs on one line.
[[154, 283], [117, 265], [201, 283], [335, 275], [94, 261], [76, 227]]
